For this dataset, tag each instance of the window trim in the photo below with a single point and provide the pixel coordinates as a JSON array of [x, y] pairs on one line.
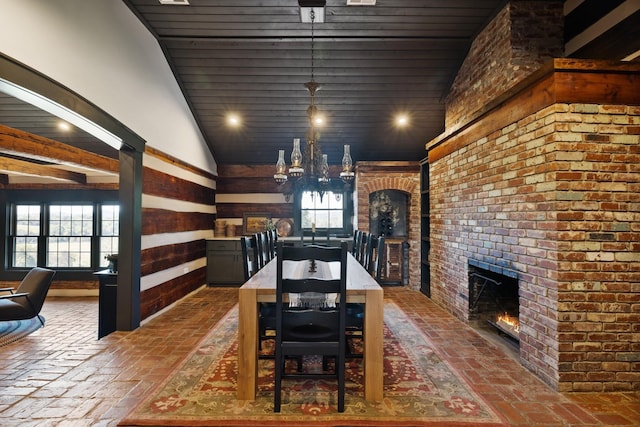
[[347, 215], [43, 198]]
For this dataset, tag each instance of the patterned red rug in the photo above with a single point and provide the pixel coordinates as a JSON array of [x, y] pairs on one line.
[[420, 388]]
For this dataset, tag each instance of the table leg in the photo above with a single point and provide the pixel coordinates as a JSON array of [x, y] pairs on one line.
[[374, 345], [247, 344]]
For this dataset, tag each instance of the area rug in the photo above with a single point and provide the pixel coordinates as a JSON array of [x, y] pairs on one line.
[[12, 330], [420, 388]]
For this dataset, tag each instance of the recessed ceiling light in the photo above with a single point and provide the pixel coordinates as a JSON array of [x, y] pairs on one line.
[[402, 120], [233, 120], [64, 126], [175, 2]]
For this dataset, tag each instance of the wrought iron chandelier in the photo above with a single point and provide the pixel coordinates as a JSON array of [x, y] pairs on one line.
[[310, 171]]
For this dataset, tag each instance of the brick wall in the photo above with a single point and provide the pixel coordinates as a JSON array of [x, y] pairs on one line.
[[403, 176], [554, 196], [537, 172], [523, 36]]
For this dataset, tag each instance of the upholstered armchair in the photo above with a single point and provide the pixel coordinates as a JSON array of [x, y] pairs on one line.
[[27, 300]]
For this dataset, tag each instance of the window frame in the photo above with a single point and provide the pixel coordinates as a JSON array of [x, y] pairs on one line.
[[347, 214], [44, 199]]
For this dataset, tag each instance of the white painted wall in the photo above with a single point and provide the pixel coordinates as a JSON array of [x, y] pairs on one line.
[[100, 50]]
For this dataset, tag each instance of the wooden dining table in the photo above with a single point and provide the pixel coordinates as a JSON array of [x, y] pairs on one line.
[[261, 287]]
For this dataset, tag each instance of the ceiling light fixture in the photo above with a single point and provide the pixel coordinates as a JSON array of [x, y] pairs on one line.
[[233, 120], [311, 171]]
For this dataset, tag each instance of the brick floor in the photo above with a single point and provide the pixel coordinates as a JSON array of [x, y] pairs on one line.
[[61, 375]]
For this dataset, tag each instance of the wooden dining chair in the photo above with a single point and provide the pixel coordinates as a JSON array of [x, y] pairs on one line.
[[355, 311], [357, 245], [310, 315], [249, 256], [376, 258], [272, 239], [266, 310], [362, 248], [263, 247]]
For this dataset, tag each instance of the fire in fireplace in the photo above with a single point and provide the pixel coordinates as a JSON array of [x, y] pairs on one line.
[[494, 299]]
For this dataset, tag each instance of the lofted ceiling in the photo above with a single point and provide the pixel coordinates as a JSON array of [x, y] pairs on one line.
[[253, 57]]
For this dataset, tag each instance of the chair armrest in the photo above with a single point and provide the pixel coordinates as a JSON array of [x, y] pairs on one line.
[[21, 294]]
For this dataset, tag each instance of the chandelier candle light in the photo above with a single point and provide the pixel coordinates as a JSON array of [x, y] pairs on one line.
[[311, 171]]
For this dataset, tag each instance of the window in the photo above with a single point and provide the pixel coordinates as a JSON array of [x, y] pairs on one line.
[[25, 240], [329, 213], [109, 228], [67, 236], [70, 231]]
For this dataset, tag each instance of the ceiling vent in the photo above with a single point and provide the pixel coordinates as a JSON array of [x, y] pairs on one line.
[[361, 2], [175, 2]]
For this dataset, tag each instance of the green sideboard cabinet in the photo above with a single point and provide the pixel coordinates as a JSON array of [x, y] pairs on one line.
[[224, 262]]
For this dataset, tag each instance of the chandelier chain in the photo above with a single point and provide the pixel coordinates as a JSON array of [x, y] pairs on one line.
[[313, 18]]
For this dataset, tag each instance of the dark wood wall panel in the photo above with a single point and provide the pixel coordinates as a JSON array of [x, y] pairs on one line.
[[155, 221], [247, 185], [158, 297], [164, 257], [160, 184], [237, 210]]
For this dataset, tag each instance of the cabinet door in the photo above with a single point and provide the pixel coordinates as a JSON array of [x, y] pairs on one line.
[[224, 268]]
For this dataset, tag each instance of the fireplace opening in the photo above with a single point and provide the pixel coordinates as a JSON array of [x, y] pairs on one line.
[[494, 304]]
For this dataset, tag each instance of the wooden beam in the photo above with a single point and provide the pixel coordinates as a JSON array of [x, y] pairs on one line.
[[23, 144], [26, 168]]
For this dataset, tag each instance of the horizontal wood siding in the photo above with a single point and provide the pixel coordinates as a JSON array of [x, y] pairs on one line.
[[245, 189], [158, 297], [162, 257], [178, 214], [237, 210], [166, 221], [157, 183]]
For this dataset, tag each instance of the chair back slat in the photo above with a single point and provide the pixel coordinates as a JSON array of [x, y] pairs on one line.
[[310, 311], [376, 260], [263, 248], [249, 256]]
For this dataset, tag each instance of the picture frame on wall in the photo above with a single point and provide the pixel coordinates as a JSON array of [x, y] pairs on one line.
[[254, 222]]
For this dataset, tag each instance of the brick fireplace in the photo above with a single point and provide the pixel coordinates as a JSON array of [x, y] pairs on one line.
[[537, 173], [547, 184]]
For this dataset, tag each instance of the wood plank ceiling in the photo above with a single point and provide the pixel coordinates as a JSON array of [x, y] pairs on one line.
[[253, 58]]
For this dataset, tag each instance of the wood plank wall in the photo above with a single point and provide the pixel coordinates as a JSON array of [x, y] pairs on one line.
[[249, 189], [178, 215]]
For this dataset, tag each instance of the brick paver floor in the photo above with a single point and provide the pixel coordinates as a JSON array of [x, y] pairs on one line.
[[62, 375]]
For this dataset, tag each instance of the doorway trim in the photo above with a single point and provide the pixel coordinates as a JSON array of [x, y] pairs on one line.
[[130, 178]]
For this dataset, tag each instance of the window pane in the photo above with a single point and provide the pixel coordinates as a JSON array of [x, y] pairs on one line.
[[70, 231], [25, 252], [109, 229], [25, 240], [110, 220], [27, 220], [325, 213], [69, 252], [336, 219]]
